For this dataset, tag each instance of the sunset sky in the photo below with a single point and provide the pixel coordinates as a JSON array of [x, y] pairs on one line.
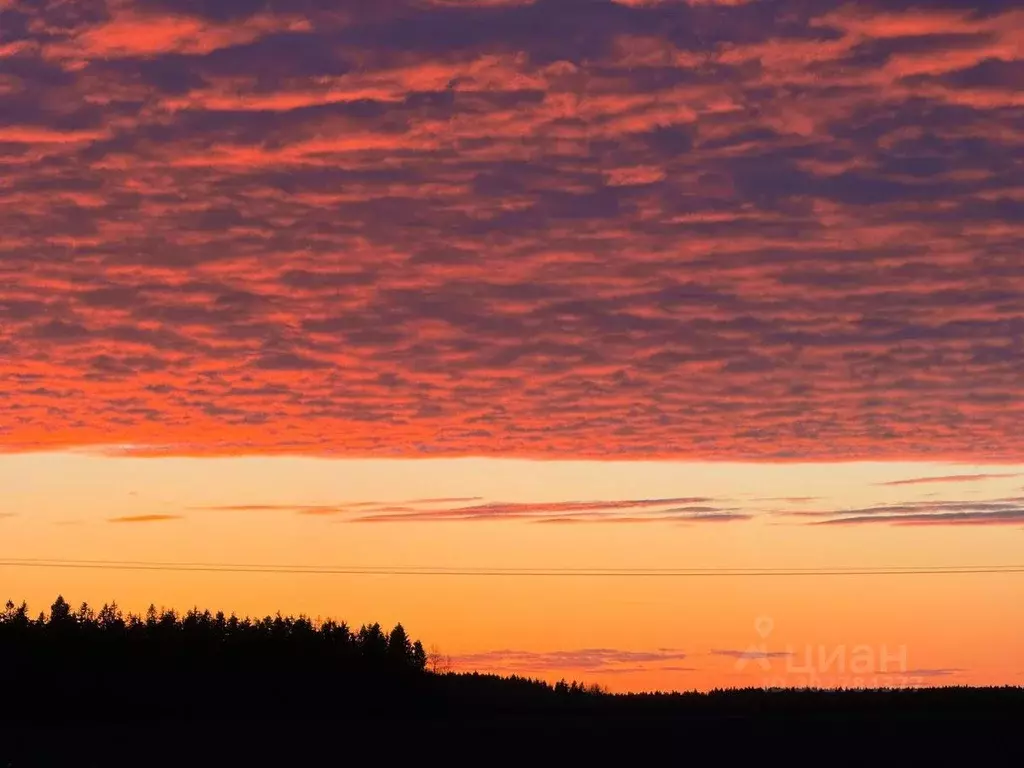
[[556, 314]]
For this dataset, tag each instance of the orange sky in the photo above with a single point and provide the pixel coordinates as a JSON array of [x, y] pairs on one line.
[[627, 632]]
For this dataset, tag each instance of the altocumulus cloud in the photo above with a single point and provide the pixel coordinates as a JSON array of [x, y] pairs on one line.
[[667, 229]]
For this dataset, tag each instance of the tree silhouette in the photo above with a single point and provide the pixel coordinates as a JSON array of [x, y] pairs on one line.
[[438, 662], [73, 665], [261, 662], [399, 646], [419, 656], [372, 643], [60, 613]]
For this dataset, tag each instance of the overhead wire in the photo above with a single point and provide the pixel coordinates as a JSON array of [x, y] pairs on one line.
[[601, 572]]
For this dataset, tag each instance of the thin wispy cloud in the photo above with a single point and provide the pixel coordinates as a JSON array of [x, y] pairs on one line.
[[926, 672], [637, 670], [270, 508], [681, 510], [1013, 517], [662, 518], [143, 518], [452, 500], [312, 509], [602, 660], [951, 479], [791, 499], [750, 654], [664, 510], [1008, 512]]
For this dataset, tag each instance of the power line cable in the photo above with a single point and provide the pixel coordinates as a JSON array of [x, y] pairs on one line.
[[419, 568], [139, 565]]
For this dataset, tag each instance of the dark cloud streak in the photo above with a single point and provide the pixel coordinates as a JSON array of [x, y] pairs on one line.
[[969, 513], [950, 479]]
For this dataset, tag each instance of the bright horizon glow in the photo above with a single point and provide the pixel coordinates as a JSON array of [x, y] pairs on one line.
[[58, 506]]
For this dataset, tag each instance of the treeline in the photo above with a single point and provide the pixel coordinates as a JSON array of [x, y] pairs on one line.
[[73, 665], [102, 663], [201, 634], [165, 662]]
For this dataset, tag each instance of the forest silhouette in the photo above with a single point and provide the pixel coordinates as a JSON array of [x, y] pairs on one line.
[[82, 669], [75, 663]]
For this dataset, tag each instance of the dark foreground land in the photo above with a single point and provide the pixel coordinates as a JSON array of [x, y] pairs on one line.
[[457, 724], [85, 689]]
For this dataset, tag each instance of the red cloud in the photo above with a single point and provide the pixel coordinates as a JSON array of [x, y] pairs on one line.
[[676, 230], [130, 34]]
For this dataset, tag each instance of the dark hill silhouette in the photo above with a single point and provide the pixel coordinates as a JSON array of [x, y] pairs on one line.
[[296, 686]]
